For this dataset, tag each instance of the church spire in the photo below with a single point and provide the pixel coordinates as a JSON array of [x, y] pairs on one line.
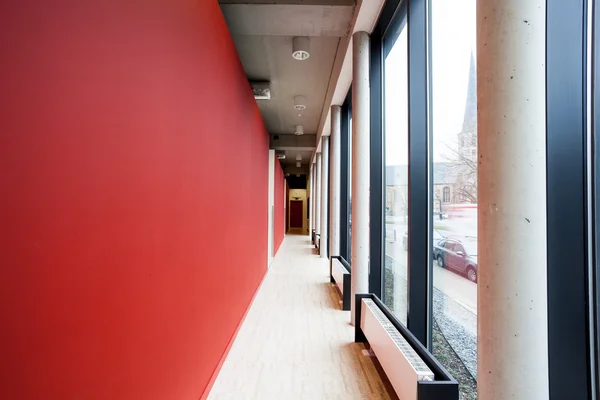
[[470, 118]]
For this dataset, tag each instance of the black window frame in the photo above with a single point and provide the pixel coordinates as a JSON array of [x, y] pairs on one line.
[[595, 202], [570, 345]]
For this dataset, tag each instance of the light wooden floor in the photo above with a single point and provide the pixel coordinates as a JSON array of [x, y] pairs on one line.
[[296, 343]]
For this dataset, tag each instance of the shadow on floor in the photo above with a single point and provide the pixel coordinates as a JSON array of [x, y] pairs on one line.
[[333, 296], [377, 382]]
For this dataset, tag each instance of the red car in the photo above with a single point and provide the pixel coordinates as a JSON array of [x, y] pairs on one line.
[[457, 255]]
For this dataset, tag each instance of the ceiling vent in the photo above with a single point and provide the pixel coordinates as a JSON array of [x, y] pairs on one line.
[[300, 48], [261, 90], [299, 130], [299, 103]]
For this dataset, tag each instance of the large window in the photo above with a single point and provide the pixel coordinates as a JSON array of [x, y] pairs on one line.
[[424, 145], [454, 213], [350, 184], [395, 156], [346, 180]]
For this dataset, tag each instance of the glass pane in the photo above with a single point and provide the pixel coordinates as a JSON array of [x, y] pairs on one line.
[[350, 188], [395, 144], [454, 118]]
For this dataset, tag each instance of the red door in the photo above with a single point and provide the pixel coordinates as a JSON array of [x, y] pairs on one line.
[[296, 214]]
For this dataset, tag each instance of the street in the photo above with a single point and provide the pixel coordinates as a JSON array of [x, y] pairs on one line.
[[453, 285]]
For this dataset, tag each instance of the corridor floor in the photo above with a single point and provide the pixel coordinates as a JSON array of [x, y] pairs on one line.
[[296, 343]]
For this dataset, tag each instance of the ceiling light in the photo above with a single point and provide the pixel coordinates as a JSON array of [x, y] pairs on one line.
[[299, 130], [299, 157], [299, 103], [298, 164], [300, 48]]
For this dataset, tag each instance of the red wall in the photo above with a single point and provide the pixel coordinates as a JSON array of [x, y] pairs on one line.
[[128, 254], [279, 231]]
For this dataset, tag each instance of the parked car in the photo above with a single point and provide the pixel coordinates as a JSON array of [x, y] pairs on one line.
[[457, 255], [437, 236]]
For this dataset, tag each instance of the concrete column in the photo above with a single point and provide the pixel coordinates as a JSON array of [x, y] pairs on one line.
[[360, 166], [512, 298], [271, 206], [313, 196], [310, 201], [318, 195], [334, 181], [285, 206], [324, 194]]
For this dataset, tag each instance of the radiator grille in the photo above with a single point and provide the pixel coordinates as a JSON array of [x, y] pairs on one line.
[[410, 354]]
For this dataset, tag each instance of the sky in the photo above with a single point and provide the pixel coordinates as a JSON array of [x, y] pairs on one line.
[[453, 27]]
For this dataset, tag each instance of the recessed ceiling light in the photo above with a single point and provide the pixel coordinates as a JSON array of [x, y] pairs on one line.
[[300, 48], [299, 130], [299, 103], [299, 157]]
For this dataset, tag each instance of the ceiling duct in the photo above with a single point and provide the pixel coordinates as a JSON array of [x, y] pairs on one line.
[[261, 90]]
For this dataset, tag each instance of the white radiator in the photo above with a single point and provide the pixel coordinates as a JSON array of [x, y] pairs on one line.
[[338, 271], [401, 363]]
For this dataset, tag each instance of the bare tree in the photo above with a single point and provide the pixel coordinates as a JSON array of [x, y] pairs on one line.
[[463, 166]]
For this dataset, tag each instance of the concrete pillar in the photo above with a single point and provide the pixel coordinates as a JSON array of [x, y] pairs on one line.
[[318, 195], [324, 194], [310, 200], [512, 295], [313, 196], [285, 206], [334, 181], [271, 206], [360, 166]]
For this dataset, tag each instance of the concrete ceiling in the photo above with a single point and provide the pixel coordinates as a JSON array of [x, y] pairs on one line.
[[263, 31], [269, 58]]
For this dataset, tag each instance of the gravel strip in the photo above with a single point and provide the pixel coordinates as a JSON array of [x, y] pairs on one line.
[[459, 327]]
